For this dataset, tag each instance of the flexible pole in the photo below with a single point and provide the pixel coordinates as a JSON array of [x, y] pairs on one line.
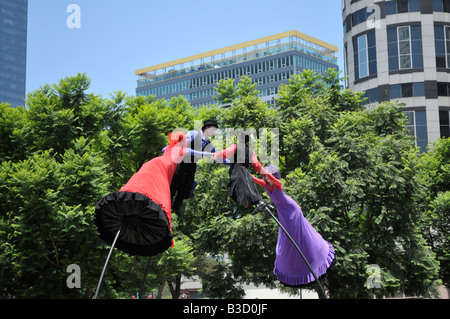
[[106, 262], [321, 291], [141, 291]]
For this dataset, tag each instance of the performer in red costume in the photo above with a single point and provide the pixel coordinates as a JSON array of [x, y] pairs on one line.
[[141, 209]]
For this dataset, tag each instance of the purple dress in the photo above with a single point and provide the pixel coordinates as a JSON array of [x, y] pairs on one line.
[[289, 265]]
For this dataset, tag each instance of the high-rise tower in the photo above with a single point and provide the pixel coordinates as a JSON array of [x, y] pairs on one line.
[[400, 50], [13, 51]]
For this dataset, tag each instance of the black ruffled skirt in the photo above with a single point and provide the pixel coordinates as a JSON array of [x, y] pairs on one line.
[[144, 225], [241, 186]]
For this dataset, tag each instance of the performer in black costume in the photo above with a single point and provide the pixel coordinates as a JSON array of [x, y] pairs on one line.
[[183, 182], [241, 186]]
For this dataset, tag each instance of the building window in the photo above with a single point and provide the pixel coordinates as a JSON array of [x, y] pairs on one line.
[[417, 125], [441, 5], [402, 6], [365, 56], [443, 89], [360, 16], [421, 130], [404, 90], [405, 48], [371, 96], [444, 123], [442, 43], [410, 122]]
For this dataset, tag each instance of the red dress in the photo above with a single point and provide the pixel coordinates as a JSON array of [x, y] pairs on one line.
[[141, 209], [154, 178]]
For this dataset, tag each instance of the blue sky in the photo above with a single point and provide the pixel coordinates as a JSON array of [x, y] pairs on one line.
[[118, 37]]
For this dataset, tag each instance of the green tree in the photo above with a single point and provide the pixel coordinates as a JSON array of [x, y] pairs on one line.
[[436, 203], [12, 120], [60, 113], [174, 263], [46, 216], [138, 131], [360, 189], [354, 173], [59, 156], [242, 107], [308, 106]]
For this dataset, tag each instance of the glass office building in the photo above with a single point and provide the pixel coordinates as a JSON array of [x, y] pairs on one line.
[[268, 61], [400, 50], [13, 51]]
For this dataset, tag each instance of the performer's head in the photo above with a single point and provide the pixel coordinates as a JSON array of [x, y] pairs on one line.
[[209, 128], [244, 137], [272, 169], [178, 137]]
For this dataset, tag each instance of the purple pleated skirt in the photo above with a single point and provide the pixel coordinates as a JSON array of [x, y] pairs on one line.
[[290, 267]]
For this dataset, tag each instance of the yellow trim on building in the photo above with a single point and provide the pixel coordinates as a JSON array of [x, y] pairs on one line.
[[286, 34]]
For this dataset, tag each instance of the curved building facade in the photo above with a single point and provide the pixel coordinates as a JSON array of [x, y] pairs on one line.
[[400, 50]]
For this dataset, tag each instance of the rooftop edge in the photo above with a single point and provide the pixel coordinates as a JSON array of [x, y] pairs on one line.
[[298, 34]]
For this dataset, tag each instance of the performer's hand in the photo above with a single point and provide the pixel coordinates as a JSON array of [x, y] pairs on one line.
[[268, 179], [214, 156]]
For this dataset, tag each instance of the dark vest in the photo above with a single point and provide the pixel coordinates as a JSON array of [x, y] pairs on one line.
[[189, 162]]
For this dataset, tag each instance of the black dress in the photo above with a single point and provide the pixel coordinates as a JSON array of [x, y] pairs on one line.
[[241, 187], [144, 225]]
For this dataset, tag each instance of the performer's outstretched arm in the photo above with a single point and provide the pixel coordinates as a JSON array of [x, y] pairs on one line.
[[272, 180], [226, 153], [257, 166], [197, 154], [261, 182]]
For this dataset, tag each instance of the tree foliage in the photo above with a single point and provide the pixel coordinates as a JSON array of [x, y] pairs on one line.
[[436, 203], [60, 155], [356, 173]]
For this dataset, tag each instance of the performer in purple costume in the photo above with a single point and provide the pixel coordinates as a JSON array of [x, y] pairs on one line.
[[290, 267]]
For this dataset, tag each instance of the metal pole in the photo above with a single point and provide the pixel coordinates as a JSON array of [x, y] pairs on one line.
[[106, 262], [141, 291], [266, 208]]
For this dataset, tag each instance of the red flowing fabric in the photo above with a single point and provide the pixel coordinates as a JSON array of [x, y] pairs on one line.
[[141, 209], [154, 178]]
